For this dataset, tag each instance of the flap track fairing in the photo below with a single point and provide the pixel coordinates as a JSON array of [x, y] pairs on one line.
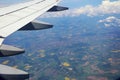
[[36, 25], [9, 73], [57, 8], [7, 50]]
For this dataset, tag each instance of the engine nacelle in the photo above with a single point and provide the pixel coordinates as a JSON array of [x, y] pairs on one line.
[[57, 8], [7, 50], [36, 25]]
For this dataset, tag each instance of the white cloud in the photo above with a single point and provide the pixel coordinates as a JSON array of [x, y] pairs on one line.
[[110, 21], [106, 7]]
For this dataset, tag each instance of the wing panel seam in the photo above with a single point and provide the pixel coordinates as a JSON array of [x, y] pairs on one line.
[[20, 9], [26, 16]]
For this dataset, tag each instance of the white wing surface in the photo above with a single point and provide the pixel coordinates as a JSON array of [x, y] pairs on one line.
[[14, 17]]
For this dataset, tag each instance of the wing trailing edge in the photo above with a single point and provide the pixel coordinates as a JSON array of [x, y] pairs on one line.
[[12, 21]]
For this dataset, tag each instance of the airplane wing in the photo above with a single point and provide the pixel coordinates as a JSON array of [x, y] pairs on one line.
[[14, 17], [20, 17]]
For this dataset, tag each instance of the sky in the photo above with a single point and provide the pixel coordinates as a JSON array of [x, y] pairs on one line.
[[78, 7], [90, 8]]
